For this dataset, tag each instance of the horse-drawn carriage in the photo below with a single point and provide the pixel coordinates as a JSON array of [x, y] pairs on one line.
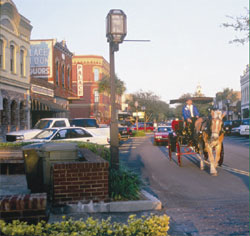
[[205, 141]]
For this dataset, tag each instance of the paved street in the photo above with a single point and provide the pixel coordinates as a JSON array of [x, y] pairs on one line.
[[197, 203]]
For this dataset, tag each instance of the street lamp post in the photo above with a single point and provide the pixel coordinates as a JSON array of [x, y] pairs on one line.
[[136, 118], [116, 30], [143, 108], [228, 107]]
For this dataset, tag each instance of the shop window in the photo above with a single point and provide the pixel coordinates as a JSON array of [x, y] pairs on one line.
[[1, 53], [13, 113], [96, 74], [96, 96], [63, 78], [68, 77], [57, 72], [12, 58], [22, 62]]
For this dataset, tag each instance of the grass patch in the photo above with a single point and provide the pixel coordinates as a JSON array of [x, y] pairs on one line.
[[139, 133]]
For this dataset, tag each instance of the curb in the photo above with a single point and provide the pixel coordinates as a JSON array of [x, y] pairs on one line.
[[150, 203]]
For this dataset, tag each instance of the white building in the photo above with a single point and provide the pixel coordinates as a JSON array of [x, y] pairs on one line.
[[15, 33], [244, 83]]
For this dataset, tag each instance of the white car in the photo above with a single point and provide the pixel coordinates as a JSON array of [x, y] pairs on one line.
[[244, 127], [39, 126], [77, 134]]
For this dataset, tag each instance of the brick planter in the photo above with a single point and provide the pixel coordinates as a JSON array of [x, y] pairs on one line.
[[26, 207], [80, 181]]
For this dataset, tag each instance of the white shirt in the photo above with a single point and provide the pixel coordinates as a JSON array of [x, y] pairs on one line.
[[190, 107]]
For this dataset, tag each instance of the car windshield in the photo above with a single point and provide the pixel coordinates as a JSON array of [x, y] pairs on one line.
[[245, 122], [42, 124], [45, 134], [164, 129]]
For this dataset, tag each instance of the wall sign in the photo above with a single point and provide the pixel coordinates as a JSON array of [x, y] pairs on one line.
[[79, 80], [41, 58]]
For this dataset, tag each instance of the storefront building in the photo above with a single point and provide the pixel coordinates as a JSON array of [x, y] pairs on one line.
[[51, 79], [87, 71], [15, 32]]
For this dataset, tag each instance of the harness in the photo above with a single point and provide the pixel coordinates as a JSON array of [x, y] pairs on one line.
[[206, 127]]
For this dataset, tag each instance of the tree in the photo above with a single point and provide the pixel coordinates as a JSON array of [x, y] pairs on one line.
[[155, 108], [227, 94], [239, 24], [104, 85]]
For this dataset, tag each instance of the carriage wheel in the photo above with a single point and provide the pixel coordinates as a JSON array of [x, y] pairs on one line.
[[178, 150], [220, 162]]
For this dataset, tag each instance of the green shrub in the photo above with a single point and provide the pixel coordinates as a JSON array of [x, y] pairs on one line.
[[151, 226], [139, 133], [124, 184], [13, 145], [100, 150]]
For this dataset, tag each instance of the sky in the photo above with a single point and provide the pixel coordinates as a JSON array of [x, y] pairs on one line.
[[188, 44]]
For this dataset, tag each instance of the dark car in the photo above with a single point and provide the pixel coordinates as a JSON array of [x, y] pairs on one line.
[[230, 124], [123, 132], [84, 122]]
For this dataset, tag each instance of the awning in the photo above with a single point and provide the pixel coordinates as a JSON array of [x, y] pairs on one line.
[[200, 100], [40, 105]]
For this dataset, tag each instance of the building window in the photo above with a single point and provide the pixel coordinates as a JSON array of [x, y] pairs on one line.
[[68, 77], [12, 58], [57, 72], [1, 53], [96, 96], [63, 78], [96, 74], [22, 62]]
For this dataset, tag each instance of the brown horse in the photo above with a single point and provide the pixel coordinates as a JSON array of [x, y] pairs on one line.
[[210, 137]]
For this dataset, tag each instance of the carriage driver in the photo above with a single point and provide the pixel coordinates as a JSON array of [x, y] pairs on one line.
[[190, 114]]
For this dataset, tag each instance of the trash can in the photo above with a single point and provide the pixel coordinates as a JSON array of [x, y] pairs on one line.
[[56, 152], [33, 167]]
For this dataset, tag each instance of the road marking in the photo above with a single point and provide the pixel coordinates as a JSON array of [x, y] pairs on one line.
[[234, 170], [127, 147], [124, 151]]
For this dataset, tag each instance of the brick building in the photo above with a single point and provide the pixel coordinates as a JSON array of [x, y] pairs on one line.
[[15, 32], [87, 70], [51, 79]]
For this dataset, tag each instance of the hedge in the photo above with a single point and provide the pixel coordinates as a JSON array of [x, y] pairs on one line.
[[151, 226]]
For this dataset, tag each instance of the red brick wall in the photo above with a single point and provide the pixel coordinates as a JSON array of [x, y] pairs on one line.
[[80, 181], [27, 207], [89, 85]]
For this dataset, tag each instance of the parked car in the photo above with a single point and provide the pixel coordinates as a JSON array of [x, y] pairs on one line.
[[77, 134], [244, 127], [230, 124], [123, 132], [84, 122], [161, 135], [39, 126], [149, 126], [91, 125]]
